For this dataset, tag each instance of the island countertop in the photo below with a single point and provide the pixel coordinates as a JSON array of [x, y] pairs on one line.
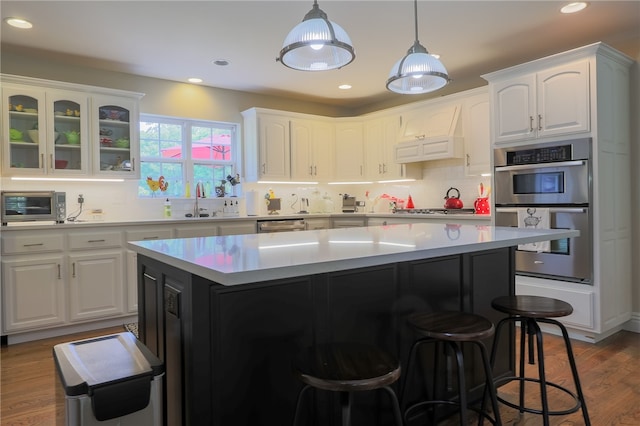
[[241, 259]]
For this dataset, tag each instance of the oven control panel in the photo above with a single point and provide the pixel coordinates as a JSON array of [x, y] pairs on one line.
[[539, 155]]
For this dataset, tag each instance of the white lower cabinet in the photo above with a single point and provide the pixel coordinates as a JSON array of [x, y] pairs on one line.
[[348, 222], [33, 292], [317, 223], [237, 228], [96, 284]]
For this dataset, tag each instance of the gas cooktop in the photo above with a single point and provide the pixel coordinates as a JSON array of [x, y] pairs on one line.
[[435, 211]]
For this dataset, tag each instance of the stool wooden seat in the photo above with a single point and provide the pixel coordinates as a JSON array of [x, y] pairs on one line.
[[529, 311], [347, 368], [452, 329]]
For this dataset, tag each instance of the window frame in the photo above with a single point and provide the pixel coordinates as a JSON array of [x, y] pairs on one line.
[[188, 163]]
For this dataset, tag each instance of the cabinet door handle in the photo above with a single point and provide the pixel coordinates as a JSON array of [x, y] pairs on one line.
[[73, 269], [468, 161], [51, 161], [155, 237], [311, 170], [133, 164], [379, 168], [95, 241], [420, 137], [531, 123], [360, 169], [315, 170], [33, 245], [264, 168], [41, 161], [384, 168], [59, 273], [149, 277], [539, 122]]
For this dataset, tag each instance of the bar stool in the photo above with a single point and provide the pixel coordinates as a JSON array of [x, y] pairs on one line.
[[529, 311], [452, 329], [347, 368]]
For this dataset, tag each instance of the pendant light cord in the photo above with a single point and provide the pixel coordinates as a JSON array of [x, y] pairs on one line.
[[415, 15]]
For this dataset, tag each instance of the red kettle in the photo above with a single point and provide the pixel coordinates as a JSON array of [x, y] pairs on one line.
[[453, 202]]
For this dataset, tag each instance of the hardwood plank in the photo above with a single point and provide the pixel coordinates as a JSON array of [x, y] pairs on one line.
[[609, 371]]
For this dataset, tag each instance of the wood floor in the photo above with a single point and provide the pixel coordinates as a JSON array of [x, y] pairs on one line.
[[609, 371]]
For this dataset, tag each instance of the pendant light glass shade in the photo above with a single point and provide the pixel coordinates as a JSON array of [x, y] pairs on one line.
[[418, 71], [316, 44]]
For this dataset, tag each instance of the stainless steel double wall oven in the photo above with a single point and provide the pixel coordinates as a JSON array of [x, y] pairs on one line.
[[554, 176]]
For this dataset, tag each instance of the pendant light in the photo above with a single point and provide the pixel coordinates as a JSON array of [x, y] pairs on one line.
[[418, 71], [316, 44]]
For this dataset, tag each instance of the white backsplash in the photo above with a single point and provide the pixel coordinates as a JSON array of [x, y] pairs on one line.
[[119, 201]]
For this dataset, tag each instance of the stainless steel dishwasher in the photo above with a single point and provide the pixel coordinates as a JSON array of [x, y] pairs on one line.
[[281, 225]]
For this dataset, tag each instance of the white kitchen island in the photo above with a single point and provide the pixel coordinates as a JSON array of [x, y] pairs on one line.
[[227, 314]]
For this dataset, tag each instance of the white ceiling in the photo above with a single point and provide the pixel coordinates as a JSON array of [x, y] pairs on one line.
[[175, 40]]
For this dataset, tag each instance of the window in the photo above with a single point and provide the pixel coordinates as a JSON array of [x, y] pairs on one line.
[[175, 154]]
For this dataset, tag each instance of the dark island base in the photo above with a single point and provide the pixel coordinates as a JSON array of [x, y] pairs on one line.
[[228, 349]]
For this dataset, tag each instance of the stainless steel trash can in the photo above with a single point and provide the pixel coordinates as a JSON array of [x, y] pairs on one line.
[[111, 380]]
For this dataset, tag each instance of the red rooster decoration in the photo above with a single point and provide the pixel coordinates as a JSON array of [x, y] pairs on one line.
[[160, 184]]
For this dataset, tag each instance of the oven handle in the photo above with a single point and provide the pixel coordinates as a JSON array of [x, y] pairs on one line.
[[551, 209], [541, 165]]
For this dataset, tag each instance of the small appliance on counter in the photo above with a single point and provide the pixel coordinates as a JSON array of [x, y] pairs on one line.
[[349, 204], [273, 205], [33, 206]]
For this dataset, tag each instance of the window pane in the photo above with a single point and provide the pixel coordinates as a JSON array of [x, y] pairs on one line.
[[150, 173], [217, 174], [160, 140], [210, 143]]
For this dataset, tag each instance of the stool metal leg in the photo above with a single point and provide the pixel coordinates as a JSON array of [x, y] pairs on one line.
[[395, 405], [298, 404], [462, 388], [489, 387], [541, 375], [574, 368], [346, 400]]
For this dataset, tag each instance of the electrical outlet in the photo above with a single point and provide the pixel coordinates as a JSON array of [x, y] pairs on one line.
[[80, 199]]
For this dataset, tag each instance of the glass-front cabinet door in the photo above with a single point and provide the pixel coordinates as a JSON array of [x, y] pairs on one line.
[[69, 152], [115, 137], [23, 116], [44, 132]]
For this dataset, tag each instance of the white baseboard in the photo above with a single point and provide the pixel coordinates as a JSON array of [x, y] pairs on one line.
[[634, 323]]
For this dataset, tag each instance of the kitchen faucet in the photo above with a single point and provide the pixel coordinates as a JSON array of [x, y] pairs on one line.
[[199, 192]]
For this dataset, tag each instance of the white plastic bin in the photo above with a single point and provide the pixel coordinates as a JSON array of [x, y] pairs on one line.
[[112, 380]]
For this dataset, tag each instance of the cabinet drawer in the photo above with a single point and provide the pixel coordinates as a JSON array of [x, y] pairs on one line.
[[148, 234], [90, 240], [33, 243]]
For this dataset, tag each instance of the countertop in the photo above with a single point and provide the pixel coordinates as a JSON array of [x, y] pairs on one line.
[[214, 219], [241, 259]]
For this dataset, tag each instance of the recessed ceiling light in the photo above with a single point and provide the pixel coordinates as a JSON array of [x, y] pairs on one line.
[[19, 23], [344, 87], [221, 62], [574, 7], [194, 80]]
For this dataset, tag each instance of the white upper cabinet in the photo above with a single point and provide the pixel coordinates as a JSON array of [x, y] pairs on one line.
[[267, 149], [349, 153], [430, 132], [44, 131], [312, 150], [477, 134], [115, 136], [380, 136], [550, 102], [54, 128]]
